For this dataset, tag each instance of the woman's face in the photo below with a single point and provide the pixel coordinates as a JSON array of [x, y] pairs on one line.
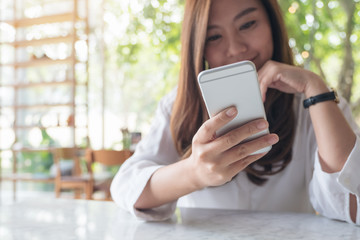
[[238, 30]]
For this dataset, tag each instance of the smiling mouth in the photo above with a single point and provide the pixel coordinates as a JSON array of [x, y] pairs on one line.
[[253, 59]]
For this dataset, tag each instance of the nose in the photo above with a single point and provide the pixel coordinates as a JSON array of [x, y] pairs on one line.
[[236, 47]]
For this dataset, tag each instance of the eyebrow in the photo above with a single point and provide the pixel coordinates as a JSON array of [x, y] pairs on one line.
[[245, 12], [239, 15]]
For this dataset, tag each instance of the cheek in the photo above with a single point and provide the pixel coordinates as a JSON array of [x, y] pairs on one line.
[[266, 47], [269, 45], [269, 49], [212, 57]]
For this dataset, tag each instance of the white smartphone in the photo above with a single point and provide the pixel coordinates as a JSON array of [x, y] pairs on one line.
[[234, 85]]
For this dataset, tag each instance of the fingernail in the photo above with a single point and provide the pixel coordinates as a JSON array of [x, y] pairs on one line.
[[261, 125], [273, 139], [231, 112]]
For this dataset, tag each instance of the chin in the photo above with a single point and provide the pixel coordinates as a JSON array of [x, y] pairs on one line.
[[259, 65], [256, 62]]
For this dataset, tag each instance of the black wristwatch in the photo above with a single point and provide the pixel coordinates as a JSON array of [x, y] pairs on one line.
[[329, 96]]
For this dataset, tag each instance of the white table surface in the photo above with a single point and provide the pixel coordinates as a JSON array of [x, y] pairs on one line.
[[80, 219]]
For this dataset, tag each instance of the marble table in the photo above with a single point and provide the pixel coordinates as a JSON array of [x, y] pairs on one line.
[[80, 219]]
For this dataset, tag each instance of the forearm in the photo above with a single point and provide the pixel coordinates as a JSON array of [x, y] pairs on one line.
[[334, 136], [167, 184]]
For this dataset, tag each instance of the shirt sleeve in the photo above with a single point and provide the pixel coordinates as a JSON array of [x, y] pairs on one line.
[[153, 152], [330, 193]]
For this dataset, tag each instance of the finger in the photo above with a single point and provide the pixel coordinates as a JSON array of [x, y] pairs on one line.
[[245, 150], [263, 90], [239, 134], [268, 77], [265, 80], [208, 130], [240, 165], [262, 75]]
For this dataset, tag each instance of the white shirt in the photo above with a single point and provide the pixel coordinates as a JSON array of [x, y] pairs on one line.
[[301, 187]]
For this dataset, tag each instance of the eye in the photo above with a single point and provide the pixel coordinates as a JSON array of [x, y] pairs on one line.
[[247, 25], [213, 38]]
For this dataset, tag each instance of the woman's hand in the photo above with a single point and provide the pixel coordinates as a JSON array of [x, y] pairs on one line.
[[216, 160], [289, 79]]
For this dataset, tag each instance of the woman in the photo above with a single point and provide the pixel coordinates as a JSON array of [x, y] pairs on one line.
[[315, 151]]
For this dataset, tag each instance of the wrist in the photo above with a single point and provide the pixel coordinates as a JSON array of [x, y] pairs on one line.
[[315, 86], [193, 181], [327, 96]]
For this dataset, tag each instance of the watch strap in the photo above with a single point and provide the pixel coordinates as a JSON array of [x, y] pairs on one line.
[[329, 96]]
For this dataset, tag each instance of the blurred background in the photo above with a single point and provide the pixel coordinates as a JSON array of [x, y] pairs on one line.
[[89, 73]]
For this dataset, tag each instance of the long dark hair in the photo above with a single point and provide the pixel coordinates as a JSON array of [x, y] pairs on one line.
[[189, 111]]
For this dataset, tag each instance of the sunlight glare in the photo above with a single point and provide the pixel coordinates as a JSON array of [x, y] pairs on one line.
[[318, 36], [294, 7], [7, 137], [333, 4], [310, 20], [34, 11], [305, 54], [292, 10], [136, 7], [292, 42], [319, 4], [334, 40], [155, 3], [10, 33], [35, 137], [353, 38]]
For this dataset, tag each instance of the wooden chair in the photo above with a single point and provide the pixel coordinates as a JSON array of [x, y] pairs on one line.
[[77, 181], [106, 158]]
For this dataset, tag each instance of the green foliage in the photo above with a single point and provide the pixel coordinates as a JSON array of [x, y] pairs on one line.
[[321, 33], [319, 28], [147, 59]]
